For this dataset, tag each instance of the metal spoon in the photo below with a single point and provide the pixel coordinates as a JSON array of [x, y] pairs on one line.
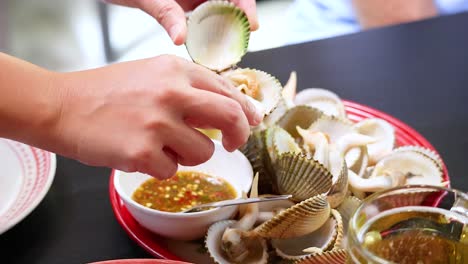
[[237, 201]]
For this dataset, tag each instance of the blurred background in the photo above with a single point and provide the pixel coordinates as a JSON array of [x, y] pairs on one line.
[[69, 35]]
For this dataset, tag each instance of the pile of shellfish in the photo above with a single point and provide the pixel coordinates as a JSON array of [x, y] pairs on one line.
[[306, 146]]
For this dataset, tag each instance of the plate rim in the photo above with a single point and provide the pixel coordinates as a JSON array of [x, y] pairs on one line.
[[155, 249], [41, 195]]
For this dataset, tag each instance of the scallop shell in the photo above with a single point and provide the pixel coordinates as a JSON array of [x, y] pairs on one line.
[[269, 88], [416, 168], [301, 177], [329, 236], [276, 114], [380, 130], [325, 100], [218, 35], [301, 115], [255, 151], [300, 219], [425, 151], [258, 254], [338, 256], [268, 210]]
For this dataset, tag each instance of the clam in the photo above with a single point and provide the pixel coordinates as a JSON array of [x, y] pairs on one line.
[[328, 237], [425, 151], [324, 100], [382, 132], [300, 219], [415, 167], [301, 177], [261, 87]]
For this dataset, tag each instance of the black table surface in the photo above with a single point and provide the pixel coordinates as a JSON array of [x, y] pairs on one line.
[[417, 73]]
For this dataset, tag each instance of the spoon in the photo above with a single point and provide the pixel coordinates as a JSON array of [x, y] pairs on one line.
[[269, 198]]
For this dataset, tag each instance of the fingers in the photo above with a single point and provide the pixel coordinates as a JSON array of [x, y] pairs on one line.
[[159, 163], [190, 146], [250, 10], [170, 15], [204, 79], [206, 109]]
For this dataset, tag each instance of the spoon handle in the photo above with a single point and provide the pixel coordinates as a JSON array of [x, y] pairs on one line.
[[239, 201]]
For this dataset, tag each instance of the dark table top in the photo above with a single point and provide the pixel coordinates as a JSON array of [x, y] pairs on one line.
[[416, 72]]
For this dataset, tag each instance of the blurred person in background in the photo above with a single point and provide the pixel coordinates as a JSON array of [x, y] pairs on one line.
[[308, 20], [132, 116]]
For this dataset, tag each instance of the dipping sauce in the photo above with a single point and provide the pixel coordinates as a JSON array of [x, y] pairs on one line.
[[182, 191]]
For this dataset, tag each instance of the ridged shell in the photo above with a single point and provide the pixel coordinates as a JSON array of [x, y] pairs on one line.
[[301, 177], [347, 209], [258, 255], [283, 142], [269, 88], [416, 167], [303, 218], [380, 130], [218, 34], [329, 257], [301, 115], [255, 151], [329, 236], [339, 189], [425, 151], [325, 100], [267, 210]]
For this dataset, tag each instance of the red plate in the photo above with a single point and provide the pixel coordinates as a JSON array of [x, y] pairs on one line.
[[162, 248]]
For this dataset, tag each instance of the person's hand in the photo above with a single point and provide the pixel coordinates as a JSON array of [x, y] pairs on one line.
[[141, 115], [170, 13]]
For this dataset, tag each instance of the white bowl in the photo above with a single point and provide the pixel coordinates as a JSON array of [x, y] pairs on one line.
[[233, 167]]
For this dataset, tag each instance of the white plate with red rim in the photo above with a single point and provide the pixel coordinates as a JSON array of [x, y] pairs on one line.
[[26, 174]]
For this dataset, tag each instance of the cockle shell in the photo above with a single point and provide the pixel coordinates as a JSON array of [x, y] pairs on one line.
[[301, 177], [257, 84], [268, 210], [416, 168], [325, 100], [339, 187], [300, 219], [328, 237], [329, 257], [425, 151]]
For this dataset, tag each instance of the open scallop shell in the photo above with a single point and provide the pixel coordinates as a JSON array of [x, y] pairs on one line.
[[334, 127], [301, 177], [339, 187], [325, 100], [383, 132], [218, 35], [256, 255], [425, 151], [329, 257], [301, 115], [328, 237], [268, 210], [298, 220], [258, 85], [415, 167]]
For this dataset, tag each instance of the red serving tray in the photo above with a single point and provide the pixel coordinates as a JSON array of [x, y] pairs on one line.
[[154, 244]]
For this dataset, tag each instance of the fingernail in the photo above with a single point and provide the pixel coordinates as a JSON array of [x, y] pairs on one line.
[[174, 32]]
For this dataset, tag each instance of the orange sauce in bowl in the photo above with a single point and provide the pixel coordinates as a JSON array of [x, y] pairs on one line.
[[183, 191]]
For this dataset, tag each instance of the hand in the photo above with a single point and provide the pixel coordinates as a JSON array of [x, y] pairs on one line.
[[140, 116], [170, 13]]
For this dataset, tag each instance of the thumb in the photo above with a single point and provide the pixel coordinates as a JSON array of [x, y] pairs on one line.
[[170, 15]]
